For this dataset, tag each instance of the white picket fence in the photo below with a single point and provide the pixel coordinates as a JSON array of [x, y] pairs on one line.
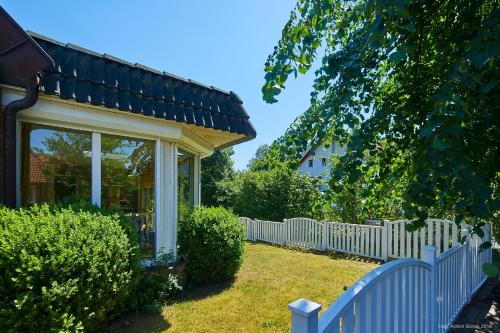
[[403, 244], [404, 295], [362, 240], [305, 232], [390, 240], [358, 239]]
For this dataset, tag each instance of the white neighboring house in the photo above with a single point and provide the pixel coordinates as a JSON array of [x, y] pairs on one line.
[[316, 160]]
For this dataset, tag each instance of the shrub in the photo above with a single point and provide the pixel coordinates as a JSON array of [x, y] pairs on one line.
[[152, 286], [211, 241], [158, 288], [114, 212], [158, 285], [272, 194], [62, 270]]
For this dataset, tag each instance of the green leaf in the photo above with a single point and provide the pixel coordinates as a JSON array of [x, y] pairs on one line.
[[397, 56], [486, 88], [490, 270], [303, 69], [410, 27], [484, 246], [478, 231], [439, 144], [409, 227]]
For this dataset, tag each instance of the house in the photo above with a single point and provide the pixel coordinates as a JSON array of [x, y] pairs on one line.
[[316, 160], [81, 125]]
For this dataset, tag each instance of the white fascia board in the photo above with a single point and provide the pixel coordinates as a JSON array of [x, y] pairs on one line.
[[53, 111]]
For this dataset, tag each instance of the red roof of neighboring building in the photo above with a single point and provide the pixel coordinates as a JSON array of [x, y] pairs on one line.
[[36, 168]]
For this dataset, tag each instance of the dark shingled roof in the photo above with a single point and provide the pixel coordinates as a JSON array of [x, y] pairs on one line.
[[100, 79]]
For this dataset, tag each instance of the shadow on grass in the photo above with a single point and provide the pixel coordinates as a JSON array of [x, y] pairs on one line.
[[139, 323], [155, 322], [202, 291], [330, 253]]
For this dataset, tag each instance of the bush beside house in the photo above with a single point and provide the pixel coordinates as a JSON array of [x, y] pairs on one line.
[[62, 270], [211, 241], [73, 267]]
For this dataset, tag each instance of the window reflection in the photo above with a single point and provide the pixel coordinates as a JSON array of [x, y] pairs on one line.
[[185, 183], [127, 168], [56, 164]]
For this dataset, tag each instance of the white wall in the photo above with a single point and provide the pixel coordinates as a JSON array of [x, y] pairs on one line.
[[317, 156]]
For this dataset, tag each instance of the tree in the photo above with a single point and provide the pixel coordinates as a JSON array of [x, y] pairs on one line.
[[214, 169], [420, 75], [368, 197], [258, 161], [272, 194]]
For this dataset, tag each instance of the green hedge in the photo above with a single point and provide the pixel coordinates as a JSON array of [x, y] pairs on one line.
[[211, 241], [62, 270]]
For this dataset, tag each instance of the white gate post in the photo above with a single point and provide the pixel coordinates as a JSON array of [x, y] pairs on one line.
[[468, 264], [385, 233], [429, 256], [304, 316]]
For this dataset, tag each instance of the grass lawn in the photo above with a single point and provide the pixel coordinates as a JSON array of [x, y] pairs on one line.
[[270, 278]]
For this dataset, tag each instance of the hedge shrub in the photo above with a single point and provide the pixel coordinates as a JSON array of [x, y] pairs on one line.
[[114, 212], [211, 242], [62, 270]]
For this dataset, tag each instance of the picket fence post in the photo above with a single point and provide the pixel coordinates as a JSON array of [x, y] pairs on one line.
[[325, 235], [385, 235], [468, 264], [304, 316], [285, 232], [250, 228], [429, 256], [254, 230], [490, 239]]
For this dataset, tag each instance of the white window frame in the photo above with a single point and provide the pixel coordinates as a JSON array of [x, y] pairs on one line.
[[48, 112], [96, 169]]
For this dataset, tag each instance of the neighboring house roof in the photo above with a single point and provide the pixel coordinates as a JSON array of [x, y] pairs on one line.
[[311, 150], [103, 80], [37, 162]]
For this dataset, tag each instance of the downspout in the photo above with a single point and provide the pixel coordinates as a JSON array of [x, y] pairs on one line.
[[9, 143]]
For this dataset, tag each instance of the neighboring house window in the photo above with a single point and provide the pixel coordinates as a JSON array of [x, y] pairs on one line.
[[128, 182], [55, 164], [310, 163], [185, 183], [323, 161]]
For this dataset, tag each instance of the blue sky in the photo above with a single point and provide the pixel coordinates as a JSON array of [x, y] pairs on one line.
[[224, 43]]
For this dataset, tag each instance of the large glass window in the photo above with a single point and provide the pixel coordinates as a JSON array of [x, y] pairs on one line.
[[127, 169], [185, 183], [56, 164]]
